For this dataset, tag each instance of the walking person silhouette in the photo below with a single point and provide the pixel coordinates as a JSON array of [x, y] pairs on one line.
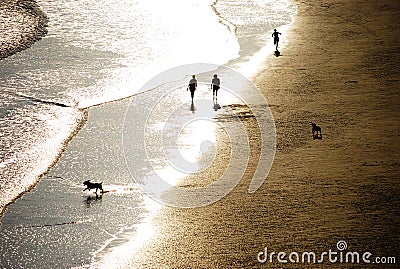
[[192, 86], [215, 84]]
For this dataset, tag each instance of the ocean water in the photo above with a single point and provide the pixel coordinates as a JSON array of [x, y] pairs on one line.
[[97, 52]]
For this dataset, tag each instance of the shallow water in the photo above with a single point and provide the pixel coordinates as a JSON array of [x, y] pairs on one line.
[[65, 234], [95, 52]]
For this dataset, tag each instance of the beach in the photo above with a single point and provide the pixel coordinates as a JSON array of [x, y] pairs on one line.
[[22, 23], [338, 68]]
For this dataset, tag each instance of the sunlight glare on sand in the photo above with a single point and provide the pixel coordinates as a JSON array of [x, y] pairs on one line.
[[120, 255], [194, 138], [188, 145]]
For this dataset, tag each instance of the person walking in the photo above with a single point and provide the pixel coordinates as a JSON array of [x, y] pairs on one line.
[[192, 86], [215, 85]]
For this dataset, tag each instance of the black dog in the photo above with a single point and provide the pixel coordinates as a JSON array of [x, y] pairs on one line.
[[90, 185], [316, 131]]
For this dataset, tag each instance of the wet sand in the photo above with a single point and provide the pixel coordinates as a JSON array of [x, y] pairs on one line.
[[22, 23], [345, 78], [340, 70]]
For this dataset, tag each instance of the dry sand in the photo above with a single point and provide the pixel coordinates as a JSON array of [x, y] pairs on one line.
[[22, 23], [340, 70]]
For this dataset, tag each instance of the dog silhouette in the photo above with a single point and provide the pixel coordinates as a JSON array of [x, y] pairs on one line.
[[316, 131], [91, 185]]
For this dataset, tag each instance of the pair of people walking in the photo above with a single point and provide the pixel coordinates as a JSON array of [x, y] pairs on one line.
[[215, 82], [215, 85]]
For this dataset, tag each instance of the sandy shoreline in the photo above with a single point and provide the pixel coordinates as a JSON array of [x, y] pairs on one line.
[[22, 23], [338, 69], [343, 187]]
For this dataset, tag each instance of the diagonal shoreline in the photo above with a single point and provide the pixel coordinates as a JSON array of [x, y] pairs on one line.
[[231, 27], [309, 200], [39, 21], [63, 167], [22, 23], [80, 123], [336, 72]]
